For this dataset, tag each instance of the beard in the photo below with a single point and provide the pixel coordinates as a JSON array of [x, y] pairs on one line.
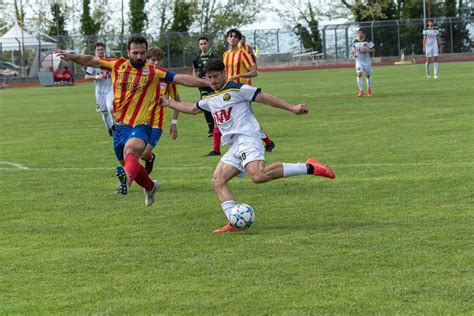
[[137, 63]]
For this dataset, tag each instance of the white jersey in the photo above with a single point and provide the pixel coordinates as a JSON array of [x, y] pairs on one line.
[[360, 50], [232, 112], [431, 36], [103, 86]]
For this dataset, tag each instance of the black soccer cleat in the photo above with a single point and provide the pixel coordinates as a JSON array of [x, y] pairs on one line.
[[270, 147], [213, 153]]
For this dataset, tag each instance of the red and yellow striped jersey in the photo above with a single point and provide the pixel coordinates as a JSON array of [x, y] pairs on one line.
[[157, 113], [134, 89], [236, 63], [249, 50]]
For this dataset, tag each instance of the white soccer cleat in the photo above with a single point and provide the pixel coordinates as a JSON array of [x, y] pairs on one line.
[[150, 196], [428, 77], [435, 77]]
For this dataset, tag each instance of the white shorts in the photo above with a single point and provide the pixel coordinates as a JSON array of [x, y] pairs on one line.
[[431, 51], [104, 102], [361, 67], [244, 149]]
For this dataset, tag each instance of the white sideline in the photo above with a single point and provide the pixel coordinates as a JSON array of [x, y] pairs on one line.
[[17, 166]]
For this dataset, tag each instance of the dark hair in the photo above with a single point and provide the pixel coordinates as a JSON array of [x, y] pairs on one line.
[[137, 39], [203, 38], [360, 30], [214, 64], [236, 31], [99, 44], [155, 52]]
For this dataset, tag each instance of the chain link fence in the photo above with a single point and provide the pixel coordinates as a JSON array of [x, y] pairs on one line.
[[274, 47]]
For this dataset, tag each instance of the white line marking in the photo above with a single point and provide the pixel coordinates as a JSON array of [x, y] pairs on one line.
[[16, 165], [413, 164]]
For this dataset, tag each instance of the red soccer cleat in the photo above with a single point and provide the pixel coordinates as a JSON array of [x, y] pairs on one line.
[[320, 169], [226, 228], [369, 92], [361, 93]]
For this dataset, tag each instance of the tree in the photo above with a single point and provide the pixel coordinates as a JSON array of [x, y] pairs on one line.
[[182, 16], [214, 16], [461, 41], [57, 26], [88, 25], [138, 16]]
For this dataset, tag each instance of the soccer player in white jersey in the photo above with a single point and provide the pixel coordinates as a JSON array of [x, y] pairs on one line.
[[232, 112], [431, 44], [104, 94], [361, 51]]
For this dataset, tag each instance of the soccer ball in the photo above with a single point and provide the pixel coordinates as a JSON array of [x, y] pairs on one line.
[[242, 216]]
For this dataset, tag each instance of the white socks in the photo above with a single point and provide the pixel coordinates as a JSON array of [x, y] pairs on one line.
[[369, 82], [107, 118], [359, 83], [294, 169], [427, 69], [435, 67], [227, 207]]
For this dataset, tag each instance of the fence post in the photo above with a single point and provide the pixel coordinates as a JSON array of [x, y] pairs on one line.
[[335, 39], [372, 31], [398, 37], [324, 42], [451, 33], [347, 41], [278, 41], [168, 49]]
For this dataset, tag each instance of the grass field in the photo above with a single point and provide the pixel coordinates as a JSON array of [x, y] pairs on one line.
[[393, 234]]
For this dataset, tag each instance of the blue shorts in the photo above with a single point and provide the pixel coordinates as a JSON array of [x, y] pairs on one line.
[[122, 133], [155, 136]]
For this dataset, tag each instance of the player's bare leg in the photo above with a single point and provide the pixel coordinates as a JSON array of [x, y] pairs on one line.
[[222, 175]]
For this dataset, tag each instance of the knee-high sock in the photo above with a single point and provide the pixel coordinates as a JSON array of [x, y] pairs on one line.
[[136, 172], [427, 68], [369, 82], [217, 139], [227, 207], [359, 83], [266, 139], [209, 120], [294, 169], [435, 67], [107, 118]]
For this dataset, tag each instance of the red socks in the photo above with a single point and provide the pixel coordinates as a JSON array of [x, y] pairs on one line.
[[267, 140], [137, 173], [217, 139]]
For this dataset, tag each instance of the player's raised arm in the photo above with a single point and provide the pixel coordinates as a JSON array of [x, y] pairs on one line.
[[190, 81], [84, 60], [279, 103], [185, 107]]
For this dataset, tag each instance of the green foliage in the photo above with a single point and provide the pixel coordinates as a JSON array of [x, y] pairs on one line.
[[88, 25], [138, 16], [182, 16], [309, 35], [461, 39], [392, 234], [58, 24]]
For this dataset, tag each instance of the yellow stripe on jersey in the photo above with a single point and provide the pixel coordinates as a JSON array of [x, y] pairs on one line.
[[133, 89], [156, 113], [236, 63]]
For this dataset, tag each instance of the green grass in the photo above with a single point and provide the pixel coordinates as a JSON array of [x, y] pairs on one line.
[[393, 234]]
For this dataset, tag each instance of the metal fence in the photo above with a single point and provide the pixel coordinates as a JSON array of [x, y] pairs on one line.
[[275, 46]]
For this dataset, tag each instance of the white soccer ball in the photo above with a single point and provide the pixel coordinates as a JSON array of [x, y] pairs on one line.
[[242, 216]]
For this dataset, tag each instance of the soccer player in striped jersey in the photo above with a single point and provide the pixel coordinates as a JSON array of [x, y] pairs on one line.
[[157, 114], [431, 44], [361, 50], [246, 47], [230, 105], [239, 67], [104, 94], [134, 83]]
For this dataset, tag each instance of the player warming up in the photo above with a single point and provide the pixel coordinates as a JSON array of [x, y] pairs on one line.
[[230, 106], [134, 83], [431, 44], [361, 51], [104, 94]]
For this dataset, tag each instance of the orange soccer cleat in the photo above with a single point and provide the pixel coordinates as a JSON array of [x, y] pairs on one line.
[[321, 170], [369, 92], [226, 228], [361, 93]]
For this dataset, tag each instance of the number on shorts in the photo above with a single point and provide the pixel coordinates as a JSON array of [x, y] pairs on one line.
[[243, 156]]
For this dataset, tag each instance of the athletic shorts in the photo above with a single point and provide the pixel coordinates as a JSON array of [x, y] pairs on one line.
[[432, 51], [243, 150], [122, 133], [155, 136], [104, 102], [361, 67]]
